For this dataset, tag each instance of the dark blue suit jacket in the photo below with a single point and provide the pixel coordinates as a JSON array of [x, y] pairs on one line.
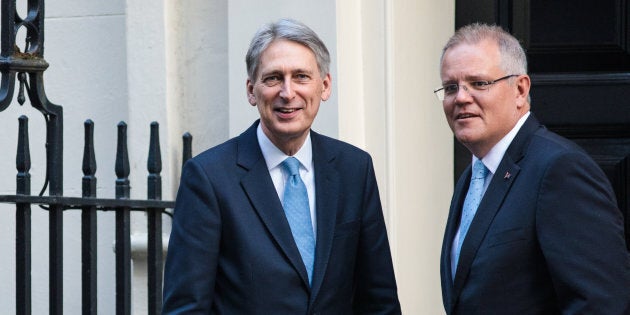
[[231, 250], [547, 237]]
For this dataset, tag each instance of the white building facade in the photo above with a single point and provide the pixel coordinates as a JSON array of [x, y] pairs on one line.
[[181, 63]]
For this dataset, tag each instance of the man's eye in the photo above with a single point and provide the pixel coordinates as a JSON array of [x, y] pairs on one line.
[[450, 89], [302, 77], [479, 85], [271, 80]]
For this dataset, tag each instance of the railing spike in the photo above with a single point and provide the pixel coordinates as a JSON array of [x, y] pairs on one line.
[[23, 157], [187, 155], [122, 162], [89, 157], [154, 164]]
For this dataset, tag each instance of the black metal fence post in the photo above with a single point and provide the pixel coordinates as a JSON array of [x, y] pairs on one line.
[[23, 222], [154, 223], [88, 225], [31, 61], [123, 230]]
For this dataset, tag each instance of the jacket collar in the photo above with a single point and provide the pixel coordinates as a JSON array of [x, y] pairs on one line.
[[259, 187], [505, 175]]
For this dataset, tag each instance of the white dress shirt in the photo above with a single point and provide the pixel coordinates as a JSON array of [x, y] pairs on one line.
[[274, 157], [491, 161]]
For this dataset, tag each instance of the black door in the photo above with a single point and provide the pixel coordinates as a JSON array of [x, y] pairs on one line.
[[579, 62]]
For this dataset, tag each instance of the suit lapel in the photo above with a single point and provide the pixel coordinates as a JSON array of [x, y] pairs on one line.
[[502, 180], [327, 198], [262, 194], [490, 205], [451, 229]]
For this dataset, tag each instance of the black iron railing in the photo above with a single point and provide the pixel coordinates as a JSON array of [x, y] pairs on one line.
[[89, 205], [28, 66]]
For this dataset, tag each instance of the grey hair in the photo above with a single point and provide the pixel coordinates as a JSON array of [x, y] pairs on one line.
[[290, 30], [513, 58]]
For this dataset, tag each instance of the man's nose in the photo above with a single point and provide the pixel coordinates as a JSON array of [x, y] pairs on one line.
[[463, 93], [286, 91]]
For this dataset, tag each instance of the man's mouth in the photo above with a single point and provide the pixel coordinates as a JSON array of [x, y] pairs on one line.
[[465, 115], [287, 110]]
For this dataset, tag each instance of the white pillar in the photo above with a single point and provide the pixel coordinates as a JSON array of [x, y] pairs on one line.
[[388, 65]]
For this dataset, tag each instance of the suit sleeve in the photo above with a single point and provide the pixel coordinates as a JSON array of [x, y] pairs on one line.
[[580, 231], [376, 291], [191, 261]]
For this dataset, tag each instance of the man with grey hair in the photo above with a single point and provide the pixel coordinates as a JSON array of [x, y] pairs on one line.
[[281, 219], [533, 227]]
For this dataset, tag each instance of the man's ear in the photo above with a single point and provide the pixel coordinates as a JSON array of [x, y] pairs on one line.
[[251, 98], [523, 84], [326, 87]]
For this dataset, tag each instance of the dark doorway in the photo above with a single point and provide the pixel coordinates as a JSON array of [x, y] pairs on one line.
[[579, 62]]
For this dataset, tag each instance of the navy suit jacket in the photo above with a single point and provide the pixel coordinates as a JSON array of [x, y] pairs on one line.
[[547, 237], [231, 250]]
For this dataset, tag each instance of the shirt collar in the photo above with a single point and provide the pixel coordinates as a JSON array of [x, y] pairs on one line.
[[495, 155], [274, 156]]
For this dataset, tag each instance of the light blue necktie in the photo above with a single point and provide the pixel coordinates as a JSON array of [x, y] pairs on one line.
[[473, 198], [296, 208]]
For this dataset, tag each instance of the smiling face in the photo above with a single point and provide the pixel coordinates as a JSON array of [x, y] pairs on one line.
[[481, 119], [287, 91]]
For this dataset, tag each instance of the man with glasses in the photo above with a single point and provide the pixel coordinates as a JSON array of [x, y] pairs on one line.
[[533, 226]]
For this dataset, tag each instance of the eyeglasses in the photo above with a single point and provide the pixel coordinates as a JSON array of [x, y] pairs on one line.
[[448, 91]]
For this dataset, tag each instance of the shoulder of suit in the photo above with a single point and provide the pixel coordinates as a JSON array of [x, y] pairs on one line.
[[553, 141], [219, 152], [331, 144]]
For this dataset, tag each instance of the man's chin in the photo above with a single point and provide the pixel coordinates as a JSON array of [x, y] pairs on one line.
[[464, 137]]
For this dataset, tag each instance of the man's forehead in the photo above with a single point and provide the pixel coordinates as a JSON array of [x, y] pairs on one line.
[[287, 56], [279, 46], [466, 60]]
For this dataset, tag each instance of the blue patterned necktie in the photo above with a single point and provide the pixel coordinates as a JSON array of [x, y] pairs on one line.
[[297, 210], [473, 198]]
